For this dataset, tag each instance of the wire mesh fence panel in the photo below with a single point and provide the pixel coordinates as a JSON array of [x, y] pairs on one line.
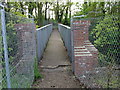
[[97, 51], [21, 51]]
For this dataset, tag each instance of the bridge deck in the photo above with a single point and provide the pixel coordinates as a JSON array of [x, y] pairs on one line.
[[55, 66]]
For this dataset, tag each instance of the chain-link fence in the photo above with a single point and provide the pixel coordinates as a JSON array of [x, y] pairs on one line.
[[42, 35], [21, 48], [97, 51], [94, 45]]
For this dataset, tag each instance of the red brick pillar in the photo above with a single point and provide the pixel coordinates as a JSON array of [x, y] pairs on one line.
[[27, 48], [85, 56]]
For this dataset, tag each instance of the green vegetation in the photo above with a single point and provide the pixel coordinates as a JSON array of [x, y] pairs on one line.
[[57, 11], [37, 74], [104, 34], [104, 30], [13, 43], [106, 38]]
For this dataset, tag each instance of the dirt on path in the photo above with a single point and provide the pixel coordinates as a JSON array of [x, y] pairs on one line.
[[55, 66]]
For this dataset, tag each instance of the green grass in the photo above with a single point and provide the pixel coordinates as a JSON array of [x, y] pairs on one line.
[[19, 81], [37, 74], [0, 79], [22, 80], [103, 81]]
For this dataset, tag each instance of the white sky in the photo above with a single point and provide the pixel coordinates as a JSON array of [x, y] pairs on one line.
[[74, 7], [77, 0]]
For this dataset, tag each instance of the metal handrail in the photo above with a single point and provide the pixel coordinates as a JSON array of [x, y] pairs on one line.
[[43, 27], [65, 26]]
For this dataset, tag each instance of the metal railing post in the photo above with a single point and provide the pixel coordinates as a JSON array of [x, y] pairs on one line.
[[72, 45], [5, 47]]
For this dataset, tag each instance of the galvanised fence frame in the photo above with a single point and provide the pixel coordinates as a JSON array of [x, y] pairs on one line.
[[42, 36], [3, 32]]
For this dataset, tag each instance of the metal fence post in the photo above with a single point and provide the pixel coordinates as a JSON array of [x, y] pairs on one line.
[[5, 47], [72, 45], [0, 57]]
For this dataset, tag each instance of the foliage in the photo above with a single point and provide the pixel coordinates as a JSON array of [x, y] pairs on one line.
[[37, 74], [106, 37], [104, 29], [12, 38], [97, 9]]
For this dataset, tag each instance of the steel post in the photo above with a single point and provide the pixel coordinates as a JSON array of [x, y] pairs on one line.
[[5, 47]]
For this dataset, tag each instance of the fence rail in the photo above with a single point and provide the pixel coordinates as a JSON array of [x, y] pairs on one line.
[[42, 35]]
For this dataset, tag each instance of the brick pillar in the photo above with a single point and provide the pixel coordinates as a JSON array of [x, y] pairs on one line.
[[85, 56], [80, 29], [27, 48]]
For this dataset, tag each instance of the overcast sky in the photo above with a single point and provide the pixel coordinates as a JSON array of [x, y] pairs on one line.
[[77, 0], [74, 8]]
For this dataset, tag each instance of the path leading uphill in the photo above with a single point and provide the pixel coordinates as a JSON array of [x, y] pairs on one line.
[[55, 66]]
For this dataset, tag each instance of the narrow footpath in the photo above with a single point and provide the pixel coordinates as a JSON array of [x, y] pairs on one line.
[[55, 66]]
